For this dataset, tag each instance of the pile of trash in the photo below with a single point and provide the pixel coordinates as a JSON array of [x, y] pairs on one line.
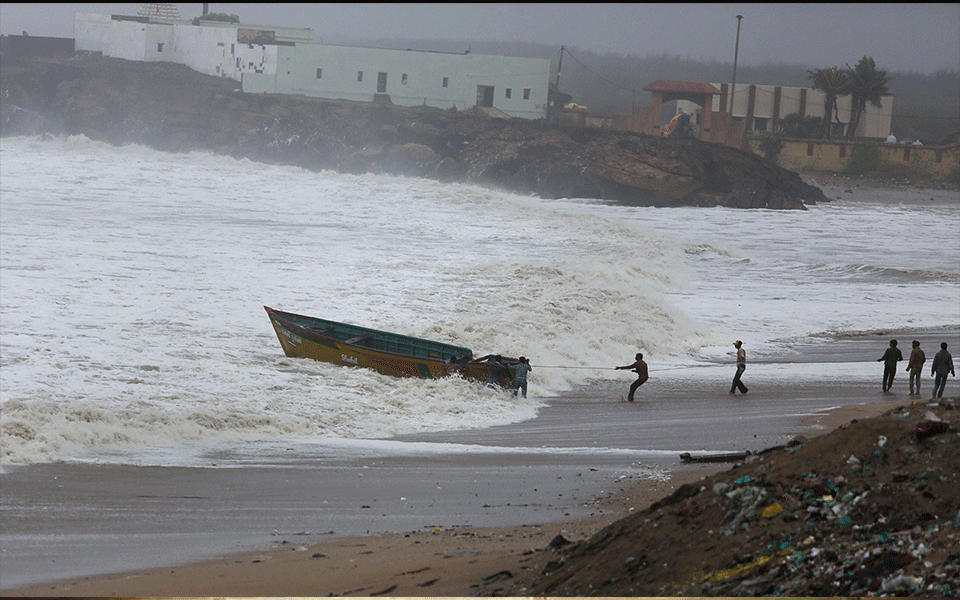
[[870, 509]]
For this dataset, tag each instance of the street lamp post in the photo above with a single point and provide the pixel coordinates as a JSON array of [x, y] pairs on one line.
[[736, 52]]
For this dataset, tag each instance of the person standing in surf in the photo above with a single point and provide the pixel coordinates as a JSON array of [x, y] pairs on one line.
[[890, 359], [741, 367], [520, 377], [496, 366], [640, 368]]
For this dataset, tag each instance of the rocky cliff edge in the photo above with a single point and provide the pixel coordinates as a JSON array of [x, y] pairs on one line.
[[171, 107]]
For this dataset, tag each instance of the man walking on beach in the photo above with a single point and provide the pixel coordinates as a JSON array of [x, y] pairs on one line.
[[741, 367], [641, 369], [890, 358], [942, 364], [915, 366]]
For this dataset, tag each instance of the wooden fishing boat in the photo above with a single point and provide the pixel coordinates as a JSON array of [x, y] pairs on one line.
[[388, 353]]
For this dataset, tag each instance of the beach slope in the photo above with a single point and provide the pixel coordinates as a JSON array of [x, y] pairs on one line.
[[872, 505]]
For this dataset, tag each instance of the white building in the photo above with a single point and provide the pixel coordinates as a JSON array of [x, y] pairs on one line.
[[284, 60], [761, 107]]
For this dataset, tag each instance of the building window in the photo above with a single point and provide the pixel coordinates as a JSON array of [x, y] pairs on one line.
[[319, 73], [446, 81], [760, 123], [526, 93], [359, 75], [509, 92], [159, 47], [403, 79]]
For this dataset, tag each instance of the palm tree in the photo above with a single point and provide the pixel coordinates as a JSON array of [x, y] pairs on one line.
[[866, 84], [832, 82]]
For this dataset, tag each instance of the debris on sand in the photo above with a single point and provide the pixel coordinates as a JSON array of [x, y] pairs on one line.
[[869, 509]]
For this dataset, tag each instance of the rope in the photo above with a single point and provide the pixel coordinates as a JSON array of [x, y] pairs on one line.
[[565, 367], [602, 368]]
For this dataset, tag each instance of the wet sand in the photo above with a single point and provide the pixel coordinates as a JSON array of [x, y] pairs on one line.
[[436, 522]]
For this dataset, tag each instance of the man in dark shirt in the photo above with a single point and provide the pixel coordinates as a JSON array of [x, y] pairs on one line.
[[915, 366], [890, 359], [942, 365], [641, 369]]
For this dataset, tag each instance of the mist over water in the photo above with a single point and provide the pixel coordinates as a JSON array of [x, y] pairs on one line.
[[133, 283]]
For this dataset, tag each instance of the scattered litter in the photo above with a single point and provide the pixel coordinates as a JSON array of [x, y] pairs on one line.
[[869, 509]]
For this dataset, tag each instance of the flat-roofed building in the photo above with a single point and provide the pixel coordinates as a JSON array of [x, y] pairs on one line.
[[762, 107], [284, 60]]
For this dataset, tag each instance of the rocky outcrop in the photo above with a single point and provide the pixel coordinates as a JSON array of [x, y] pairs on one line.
[[171, 107]]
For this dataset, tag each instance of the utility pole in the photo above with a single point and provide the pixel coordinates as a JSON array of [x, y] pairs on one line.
[[736, 51], [556, 94]]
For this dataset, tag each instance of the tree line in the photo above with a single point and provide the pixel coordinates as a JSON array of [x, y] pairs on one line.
[[864, 83]]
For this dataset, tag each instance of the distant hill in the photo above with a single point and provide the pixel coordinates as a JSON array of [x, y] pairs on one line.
[[926, 106]]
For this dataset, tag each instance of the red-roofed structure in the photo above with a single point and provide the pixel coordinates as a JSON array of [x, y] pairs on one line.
[[667, 91], [682, 90]]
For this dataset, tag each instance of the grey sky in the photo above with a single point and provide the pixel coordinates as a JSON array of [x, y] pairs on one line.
[[899, 36]]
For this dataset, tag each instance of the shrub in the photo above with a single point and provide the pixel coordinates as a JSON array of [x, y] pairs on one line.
[[951, 138], [864, 158], [771, 143], [795, 126], [953, 176], [684, 129]]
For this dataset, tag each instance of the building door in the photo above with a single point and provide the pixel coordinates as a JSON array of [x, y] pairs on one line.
[[381, 83], [484, 95]]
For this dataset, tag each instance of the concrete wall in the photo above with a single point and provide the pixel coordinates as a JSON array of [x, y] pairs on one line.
[[834, 156], [413, 78], [28, 45]]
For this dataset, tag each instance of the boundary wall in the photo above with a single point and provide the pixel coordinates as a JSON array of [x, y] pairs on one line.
[[834, 156]]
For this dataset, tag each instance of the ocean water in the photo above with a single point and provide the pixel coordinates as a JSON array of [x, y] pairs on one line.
[[132, 284]]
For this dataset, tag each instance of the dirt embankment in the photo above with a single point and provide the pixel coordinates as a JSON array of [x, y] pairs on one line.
[[171, 107], [872, 508]]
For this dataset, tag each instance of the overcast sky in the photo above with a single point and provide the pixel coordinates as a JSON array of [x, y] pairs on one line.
[[899, 36]]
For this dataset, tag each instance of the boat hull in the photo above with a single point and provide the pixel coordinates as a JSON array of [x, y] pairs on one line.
[[391, 354]]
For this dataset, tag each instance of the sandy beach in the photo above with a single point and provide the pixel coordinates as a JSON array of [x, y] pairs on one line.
[[435, 525], [432, 561]]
